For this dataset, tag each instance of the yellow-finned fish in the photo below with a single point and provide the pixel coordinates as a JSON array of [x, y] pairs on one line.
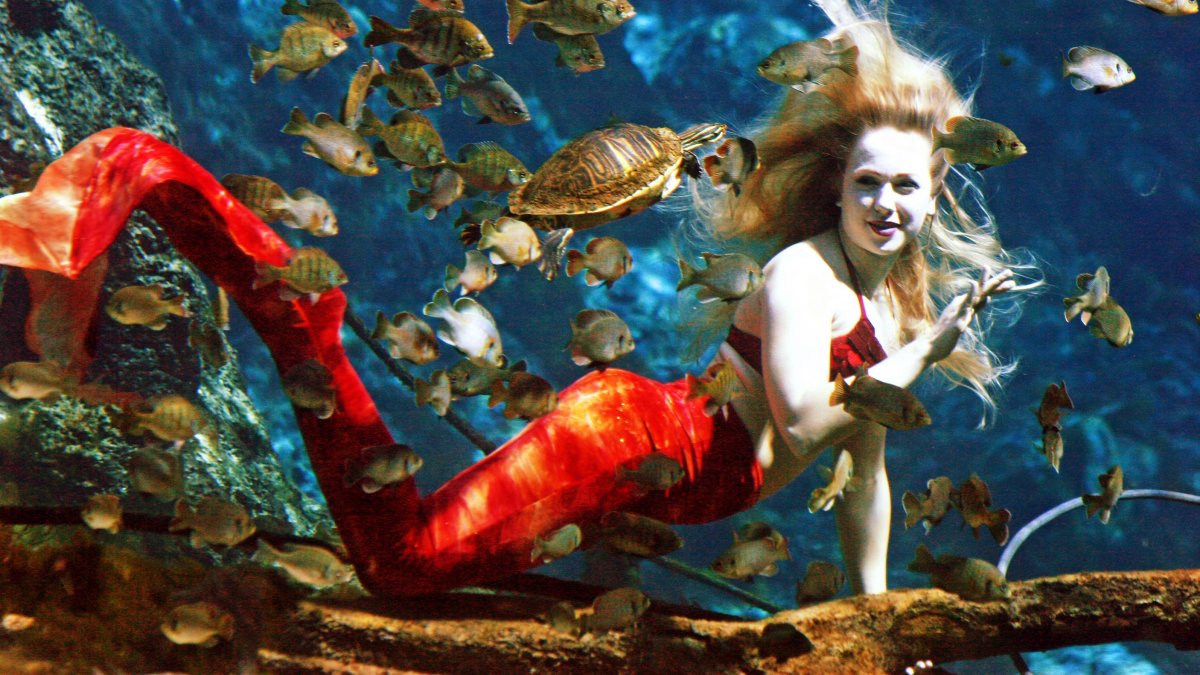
[[310, 271], [930, 508], [973, 499], [309, 385], [443, 38], [301, 210], [168, 418], [557, 544], [978, 142], [213, 521], [487, 95], [1110, 322], [1096, 69], [471, 379], [444, 5], [476, 275], [470, 328], [809, 64], [745, 559], [1049, 415], [527, 396], [198, 623], [362, 83], [103, 512], [315, 566], [409, 138], [605, 259], [333, 143], [444, 185], [487, 166], [303, 47], [870, 399], [382, 465], [638, 535], [617, 609], [435, 392], [581, 53], [655, 471], [838, 480], [1112, 484], [409, 88], [327, 13], [719, 384], [570, 17], [1169, 7], [1095, 292], [40, 380], [511, 241], [969, 578], [599, 336], [408, 337], [726, 276], [145, 306]]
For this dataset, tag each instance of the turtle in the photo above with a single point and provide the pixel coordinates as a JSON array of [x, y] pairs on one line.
[[608, 173]]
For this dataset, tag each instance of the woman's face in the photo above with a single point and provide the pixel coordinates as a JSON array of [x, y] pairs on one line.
[[887, 190]]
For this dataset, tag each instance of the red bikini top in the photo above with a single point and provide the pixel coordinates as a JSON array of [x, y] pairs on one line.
[[846, 352]]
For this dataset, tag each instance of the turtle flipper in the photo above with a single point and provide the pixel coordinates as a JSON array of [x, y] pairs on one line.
[[554, 247]]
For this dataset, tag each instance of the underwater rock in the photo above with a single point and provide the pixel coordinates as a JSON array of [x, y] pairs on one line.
[[62, 78]]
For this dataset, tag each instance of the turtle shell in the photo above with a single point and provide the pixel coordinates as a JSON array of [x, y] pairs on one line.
[[600, 171]]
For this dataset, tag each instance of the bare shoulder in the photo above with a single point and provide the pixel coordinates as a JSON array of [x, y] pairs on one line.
[[801, 263]]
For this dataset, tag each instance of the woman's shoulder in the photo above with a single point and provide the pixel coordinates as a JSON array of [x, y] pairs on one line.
[[805, 260]]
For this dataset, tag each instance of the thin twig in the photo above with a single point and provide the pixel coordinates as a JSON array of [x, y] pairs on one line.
[[684, 569]]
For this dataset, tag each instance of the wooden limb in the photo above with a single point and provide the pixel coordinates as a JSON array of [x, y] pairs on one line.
[[883, 633]]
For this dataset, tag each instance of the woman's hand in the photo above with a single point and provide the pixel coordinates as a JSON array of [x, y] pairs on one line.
[[958, 314]]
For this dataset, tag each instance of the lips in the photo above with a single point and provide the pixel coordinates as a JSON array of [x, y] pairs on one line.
[[882, 229]]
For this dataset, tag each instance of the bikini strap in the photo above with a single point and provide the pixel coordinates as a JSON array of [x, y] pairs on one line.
[[862, 308]]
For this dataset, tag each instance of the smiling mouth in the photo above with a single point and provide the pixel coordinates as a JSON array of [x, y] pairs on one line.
[[882, 229]]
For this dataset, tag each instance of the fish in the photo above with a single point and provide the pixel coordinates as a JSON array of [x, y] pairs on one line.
[[1110, 322], [309, 385], [303, 47], [605, 259], [978, 142], [930, 508], [562, 618], [435, 392], [206, 339], [638, 535], [839, 480], [475, 214], [333, 143], [302, 210], [362, 83], [488, 96], [581, 53], [782, 642], [654, 472], [726, 276], [471, 379], [746, 559], [315, 566], [759, 530], [103, 512], [169, 418], [1169, 7], [309, 271], [527, 396], [213, 521], [327, 13], [445, 187], [156, 472], [408, 337], [41, 380], [145, 306], [1049, 415], [735, 159], [476, 275], [973, 500], [379, 466], [971, 579], [719, 384], [598, 336], [617, 609], [444, 5], [1095, 291], [557, 544], [198, 623], [443, 38], [1112, 484], [822, 580], [808, 64], [871, 399], [487, 166], [571, 17], [469, 328], [409, 138], [15, 623], [1096, 69], [409, 88], [511, 241]]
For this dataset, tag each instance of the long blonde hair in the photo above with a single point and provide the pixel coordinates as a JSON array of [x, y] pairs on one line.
[[803, 148]]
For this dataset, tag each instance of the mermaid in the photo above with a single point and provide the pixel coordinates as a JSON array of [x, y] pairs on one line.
[[864, 238]]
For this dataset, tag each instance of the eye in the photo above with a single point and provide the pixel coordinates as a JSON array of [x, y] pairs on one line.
[[866, 180]]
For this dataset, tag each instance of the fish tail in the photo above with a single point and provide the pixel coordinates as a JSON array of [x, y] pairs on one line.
[[712, 167], [175, 306], [1072, 307], [263, 60], [912, 509], [923, 562], [225, 625], [183, 517], [381, 326], [266, 553], [424, 391], [354, 473], [416, 200], [576, 262], [439, 306], [264, 275], [538, 549], [499, 394], [687, 275], [452, 275], [998, 525], [1092, 504], [453, 82], [297, 123], [839, 390], [381, 33], [291, 8], [1066, 65], [516, 18]]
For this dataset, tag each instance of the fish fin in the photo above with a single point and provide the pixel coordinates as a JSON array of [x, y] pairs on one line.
[[263, 61], [705, 296], [1087, 316], [687, 275], [576, 261], [499, 394], [547, 34], [516, 18], [453, 82], [210, 642], [285, 75], [1092, 504], [839, 390], [159, 323], [183, 517], [923, 561], [770, 570], [1079, 84], [439, 71], [451, 278], [912, 509], [297, 123], [439, 307]]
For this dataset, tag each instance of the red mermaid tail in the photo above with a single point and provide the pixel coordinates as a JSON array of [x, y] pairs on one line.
[[561, 468]]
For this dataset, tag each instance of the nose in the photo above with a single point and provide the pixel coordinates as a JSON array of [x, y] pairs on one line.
[[885, 201]]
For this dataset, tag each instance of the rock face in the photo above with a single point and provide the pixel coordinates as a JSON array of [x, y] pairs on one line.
[[62, 78]]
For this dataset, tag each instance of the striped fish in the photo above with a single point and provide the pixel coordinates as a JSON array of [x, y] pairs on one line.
[[327, 13], [302, 47], [409, 88], [489, 167], [443, 38], [409, 139]]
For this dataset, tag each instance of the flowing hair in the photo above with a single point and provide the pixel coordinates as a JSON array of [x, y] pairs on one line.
[[803, 149]]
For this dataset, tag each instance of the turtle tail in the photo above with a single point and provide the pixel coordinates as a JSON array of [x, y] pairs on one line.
[[702, 134]]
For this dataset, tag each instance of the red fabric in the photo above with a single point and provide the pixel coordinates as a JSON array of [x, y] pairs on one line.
[[561, 468], [846, 352]]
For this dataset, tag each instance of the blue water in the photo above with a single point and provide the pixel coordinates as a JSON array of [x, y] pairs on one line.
[[1109, 180]]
